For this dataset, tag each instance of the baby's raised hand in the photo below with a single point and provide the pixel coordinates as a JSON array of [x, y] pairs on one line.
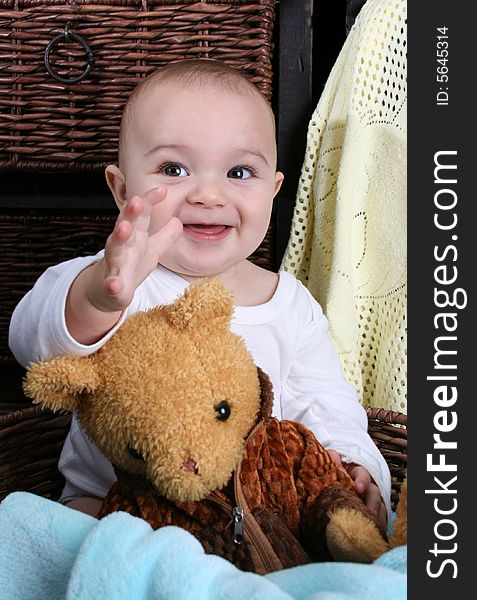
[[133, 250], [103, 290]]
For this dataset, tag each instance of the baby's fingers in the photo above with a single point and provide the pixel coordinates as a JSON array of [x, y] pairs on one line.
[[154, 195], [166, 236], [137, 211], [335, 457], [115, 243], [375, 505], [113, 285], [361, 478], [373, 499], [121, 233], [148, 202], [134, 217], [136, 214]]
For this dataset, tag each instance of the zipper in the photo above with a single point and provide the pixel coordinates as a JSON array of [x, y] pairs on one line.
[[238, 516], [246, 527], [248, 530]]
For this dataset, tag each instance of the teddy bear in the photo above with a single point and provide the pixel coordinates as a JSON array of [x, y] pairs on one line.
[[177, 404]]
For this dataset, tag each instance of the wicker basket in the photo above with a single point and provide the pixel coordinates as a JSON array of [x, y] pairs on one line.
[[102, 48], [30, 243], [388, 429], [31, 441], [30, 444]]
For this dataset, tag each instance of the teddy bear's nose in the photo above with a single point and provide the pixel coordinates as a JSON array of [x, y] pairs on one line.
[[190, 466]]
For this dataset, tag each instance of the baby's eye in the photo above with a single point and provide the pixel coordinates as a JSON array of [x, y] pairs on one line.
[[173, 170], [223, 410], [241, 173]]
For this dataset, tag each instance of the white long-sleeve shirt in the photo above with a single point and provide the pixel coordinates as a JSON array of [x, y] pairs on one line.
[[287, 336]]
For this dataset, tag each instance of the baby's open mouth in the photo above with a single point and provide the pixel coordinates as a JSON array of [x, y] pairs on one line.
[[202, 231], [209, 229]]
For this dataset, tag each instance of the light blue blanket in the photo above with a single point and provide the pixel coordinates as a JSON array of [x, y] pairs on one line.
[[51, 552]]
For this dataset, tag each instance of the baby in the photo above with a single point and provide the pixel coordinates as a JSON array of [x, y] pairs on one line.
[[194, 187]]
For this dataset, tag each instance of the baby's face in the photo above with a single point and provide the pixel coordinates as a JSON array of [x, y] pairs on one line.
[[214, 150]]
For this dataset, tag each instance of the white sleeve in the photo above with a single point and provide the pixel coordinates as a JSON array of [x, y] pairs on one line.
[[87, 472], [317, 395], [38, 326], [38, 331]]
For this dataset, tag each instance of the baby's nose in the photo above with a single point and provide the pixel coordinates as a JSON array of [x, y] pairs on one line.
[[207, 193]]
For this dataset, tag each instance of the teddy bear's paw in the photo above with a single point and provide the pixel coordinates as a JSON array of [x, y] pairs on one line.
[[352, 537]]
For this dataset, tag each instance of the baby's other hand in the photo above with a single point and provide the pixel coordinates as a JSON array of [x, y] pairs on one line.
[[369, 491], [134, 249], [365, 487]]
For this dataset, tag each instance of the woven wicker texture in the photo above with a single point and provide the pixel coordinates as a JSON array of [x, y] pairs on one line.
[[45, 124], [388, 429], [30, 444], [30, 243], [31, 440]]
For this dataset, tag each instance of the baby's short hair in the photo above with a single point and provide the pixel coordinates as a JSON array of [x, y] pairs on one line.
[[192, 72]]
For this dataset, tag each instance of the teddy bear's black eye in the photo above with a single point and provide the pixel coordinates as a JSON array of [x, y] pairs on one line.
[[223, 410], [134, 453]]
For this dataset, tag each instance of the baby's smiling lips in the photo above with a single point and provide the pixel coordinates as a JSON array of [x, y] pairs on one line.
[[208, 232]]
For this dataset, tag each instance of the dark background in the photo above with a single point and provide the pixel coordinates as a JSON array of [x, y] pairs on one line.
[[431, 129]]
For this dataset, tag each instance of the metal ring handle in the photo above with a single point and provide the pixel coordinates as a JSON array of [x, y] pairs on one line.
[[66, 36]]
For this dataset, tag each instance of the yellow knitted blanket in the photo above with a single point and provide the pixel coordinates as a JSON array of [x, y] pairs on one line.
[[348, 236]]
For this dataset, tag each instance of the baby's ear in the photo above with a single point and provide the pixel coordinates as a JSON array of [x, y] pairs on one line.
[[117, 184], [59, 383], [205, 303]]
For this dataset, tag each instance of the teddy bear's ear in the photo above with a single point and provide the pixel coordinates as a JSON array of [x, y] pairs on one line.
[[59, 383], [207, 302]]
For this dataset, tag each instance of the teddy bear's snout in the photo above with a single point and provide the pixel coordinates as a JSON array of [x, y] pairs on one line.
[[190, 466]]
